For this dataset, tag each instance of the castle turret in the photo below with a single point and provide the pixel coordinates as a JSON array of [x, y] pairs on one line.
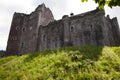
[[13, 46]]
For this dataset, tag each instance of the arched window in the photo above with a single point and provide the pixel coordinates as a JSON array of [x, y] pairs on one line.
[[17, 28], [91, 26], [71, 28], [23, 29]]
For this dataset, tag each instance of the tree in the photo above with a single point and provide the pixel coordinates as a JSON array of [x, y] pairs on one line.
[[109, 3]]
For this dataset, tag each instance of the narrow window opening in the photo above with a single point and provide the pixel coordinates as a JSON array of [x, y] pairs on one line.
[[44, 37], [17, 28], [71, 29], [24, 29], [91, 26], [22, 45]]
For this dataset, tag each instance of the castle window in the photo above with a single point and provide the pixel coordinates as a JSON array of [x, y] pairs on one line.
[[24, 29], [44, 37], [17, 28], [22, 45], [71, 28], [91, 26]]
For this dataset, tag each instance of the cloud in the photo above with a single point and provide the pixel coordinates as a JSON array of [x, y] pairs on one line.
[[17, 5], [113, 12], [7, 9]]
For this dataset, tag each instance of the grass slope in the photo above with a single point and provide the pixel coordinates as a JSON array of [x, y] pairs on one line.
[[69, 63]]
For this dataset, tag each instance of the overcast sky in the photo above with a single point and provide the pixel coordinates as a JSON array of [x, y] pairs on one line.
[[58, 7]]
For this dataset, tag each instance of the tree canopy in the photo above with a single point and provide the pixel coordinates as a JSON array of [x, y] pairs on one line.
[[109, 3]]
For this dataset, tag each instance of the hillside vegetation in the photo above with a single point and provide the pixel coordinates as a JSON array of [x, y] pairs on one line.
[[68, 63]]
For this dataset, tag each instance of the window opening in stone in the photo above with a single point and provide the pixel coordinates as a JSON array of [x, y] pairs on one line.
[[17, 28], [71, 29], [24, 29], [22, 45], [44, 37], [91, 26]]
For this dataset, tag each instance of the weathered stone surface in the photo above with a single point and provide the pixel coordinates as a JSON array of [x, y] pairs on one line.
[[24, 30], [39, 31]]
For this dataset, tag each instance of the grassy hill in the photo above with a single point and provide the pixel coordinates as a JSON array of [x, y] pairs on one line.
[[69, 63]]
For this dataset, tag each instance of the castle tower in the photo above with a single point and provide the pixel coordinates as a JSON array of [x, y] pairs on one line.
[[15, 34], [24, 30]]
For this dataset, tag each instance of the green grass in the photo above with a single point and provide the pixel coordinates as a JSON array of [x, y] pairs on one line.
[[69, 63]]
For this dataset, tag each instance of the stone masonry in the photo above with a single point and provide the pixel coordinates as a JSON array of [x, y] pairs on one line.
[[39, 31]]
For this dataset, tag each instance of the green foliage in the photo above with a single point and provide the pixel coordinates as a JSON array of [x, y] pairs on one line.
[[68, 63], [102, 3], [2, 53]]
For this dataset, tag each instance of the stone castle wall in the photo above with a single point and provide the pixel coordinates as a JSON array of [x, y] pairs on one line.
[[50, 37], [91, 28], [39, 31], [24, 30]]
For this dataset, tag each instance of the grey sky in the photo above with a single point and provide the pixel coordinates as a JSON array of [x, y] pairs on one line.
[[58, 7]]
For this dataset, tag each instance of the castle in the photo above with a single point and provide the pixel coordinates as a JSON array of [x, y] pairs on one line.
[[39, 31]]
